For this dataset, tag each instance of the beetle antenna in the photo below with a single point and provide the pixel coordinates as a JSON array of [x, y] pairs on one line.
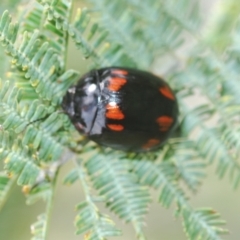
[[37, 120], [43, 118]]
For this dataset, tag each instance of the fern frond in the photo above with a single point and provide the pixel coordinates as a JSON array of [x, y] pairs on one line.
[[89, 38], [161, 175], [50, 146], [96, 225], [203, 224], [210, 144], [37, 69], [164, 175], [18, 162], [36, 18], [124, 196], [42, 67], [219, 91], [178, 159], [151, 37], [90, 220], [44, 191]]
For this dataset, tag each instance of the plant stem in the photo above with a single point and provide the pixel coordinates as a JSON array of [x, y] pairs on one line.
[[67, 35], [50, 205]]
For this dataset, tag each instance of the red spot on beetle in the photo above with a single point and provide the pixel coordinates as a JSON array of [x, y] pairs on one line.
[[116, 83], [165, 91], [151, 143], [115, 127], [165, 123], [119, 72], [113, 112]]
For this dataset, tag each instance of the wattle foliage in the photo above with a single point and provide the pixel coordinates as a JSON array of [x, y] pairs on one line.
[[130, 33]]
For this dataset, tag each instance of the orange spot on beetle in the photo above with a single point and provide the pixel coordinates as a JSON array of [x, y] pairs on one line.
[[115, 127], [164, 122], [151, 143], [113, 112], [119, 72], [116, 83], [166, 92]]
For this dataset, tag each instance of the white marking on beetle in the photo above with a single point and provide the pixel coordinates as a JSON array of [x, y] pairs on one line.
[[92, 88], [112, 104]]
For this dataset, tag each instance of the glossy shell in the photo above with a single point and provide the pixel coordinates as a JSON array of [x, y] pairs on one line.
[[122, 108]]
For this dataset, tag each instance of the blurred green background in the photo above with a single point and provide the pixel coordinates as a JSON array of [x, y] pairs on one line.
[[161, 223]]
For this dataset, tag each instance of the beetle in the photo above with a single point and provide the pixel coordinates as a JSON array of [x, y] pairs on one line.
[[122, 108]]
